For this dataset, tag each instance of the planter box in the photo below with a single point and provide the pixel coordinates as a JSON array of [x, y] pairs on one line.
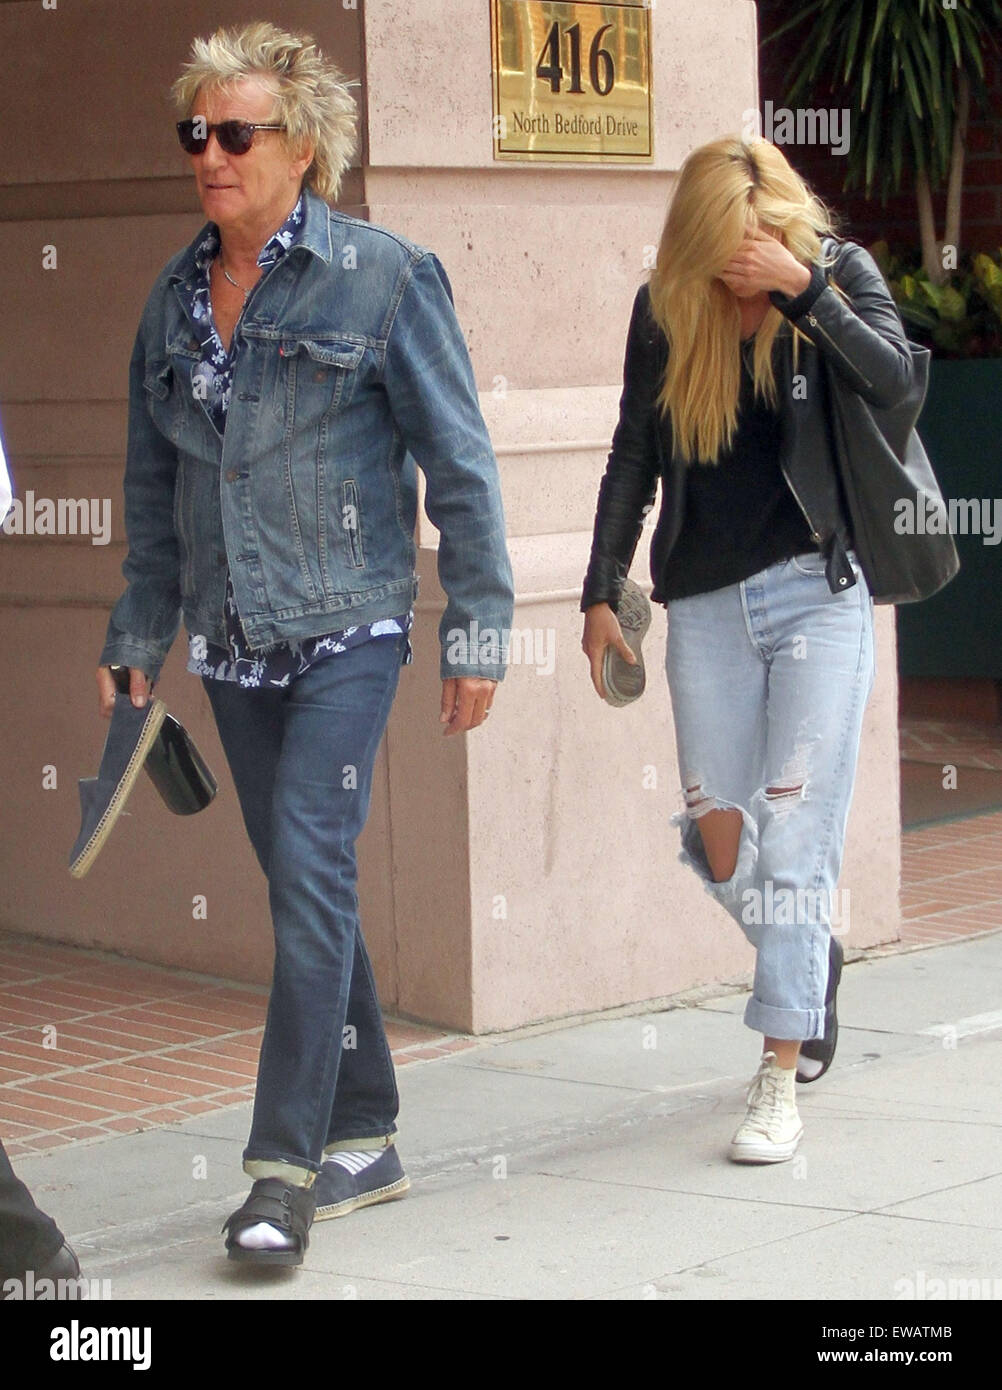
[[958, 632]]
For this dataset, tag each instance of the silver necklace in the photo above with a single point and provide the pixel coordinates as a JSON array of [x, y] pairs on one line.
[[236, 286]]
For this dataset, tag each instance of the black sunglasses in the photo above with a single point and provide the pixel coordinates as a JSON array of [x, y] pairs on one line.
[[235, 137]]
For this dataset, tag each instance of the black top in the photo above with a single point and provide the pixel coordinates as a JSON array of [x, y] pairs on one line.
[[740, 514]]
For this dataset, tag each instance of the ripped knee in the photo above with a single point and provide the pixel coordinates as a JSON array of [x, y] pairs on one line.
[[697, 802], [719, 824], [785, 792], [700, 803], [791, 785]]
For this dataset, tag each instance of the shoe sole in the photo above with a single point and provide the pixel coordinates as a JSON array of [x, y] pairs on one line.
[[771, 1153], [265, 1257], [105, 825], [635, 611], [826, 1061], [391, 1193]]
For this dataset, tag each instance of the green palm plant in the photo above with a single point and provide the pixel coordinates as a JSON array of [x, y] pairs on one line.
[[961, 317], [910, 72]]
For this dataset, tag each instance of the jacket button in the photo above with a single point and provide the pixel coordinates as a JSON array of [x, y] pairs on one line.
[[220, 557], [231, 475]]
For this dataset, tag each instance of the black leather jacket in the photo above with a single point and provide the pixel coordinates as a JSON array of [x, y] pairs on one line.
[[866, 343]]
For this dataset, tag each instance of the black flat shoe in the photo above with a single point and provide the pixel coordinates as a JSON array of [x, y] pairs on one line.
[[289, 1209], [823, 1049], [57, 1278], [63, 1265]]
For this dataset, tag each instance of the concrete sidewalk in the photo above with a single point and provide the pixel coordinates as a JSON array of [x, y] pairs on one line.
[[588, 1161]]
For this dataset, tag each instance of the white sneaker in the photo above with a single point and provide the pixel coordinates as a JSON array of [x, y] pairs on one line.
[[771, 1130]]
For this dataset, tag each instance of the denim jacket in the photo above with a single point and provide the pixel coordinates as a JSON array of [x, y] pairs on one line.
[[352, 367]]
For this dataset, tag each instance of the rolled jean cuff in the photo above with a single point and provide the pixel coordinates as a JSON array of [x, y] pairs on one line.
[[258, 1168], [369, 1142], [792, 1025]]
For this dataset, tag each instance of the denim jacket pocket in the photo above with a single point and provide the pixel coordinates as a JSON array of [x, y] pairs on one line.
[[351, 524], [321, 373]]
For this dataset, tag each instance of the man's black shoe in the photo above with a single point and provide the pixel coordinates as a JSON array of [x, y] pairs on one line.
[[280, 1204], [63, 1265], [57, 1278]]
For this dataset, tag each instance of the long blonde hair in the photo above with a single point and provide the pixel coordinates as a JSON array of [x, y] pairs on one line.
[[725, 189]]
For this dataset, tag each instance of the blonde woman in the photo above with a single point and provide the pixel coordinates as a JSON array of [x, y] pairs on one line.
[[770, 628]]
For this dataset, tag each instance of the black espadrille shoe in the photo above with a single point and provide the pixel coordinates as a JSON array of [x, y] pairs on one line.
[[818, 1053], [339, 1190]]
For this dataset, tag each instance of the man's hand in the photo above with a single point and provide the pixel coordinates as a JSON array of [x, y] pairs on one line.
[[762, 262], [466, 702], [140, 687], [601, 630]]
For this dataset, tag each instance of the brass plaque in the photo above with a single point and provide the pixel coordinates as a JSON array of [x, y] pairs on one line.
[[572, 81]]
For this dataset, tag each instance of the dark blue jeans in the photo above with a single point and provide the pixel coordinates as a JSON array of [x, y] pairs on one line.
[[301, 759]]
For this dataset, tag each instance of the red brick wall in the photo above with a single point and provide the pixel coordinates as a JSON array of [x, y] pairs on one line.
[[868, 221]]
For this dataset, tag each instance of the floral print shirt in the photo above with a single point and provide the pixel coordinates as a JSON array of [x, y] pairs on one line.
[[212, 380]]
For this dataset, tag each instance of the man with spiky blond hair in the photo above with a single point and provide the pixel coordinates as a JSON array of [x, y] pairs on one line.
[[292, 367]]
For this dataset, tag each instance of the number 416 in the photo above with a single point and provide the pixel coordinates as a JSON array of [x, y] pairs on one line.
[[602, 68]]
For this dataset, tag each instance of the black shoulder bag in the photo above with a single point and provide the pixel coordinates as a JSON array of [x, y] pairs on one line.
[[888, 480]]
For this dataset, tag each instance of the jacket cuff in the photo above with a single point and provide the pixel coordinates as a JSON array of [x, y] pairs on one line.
[[475, 651], [601, 589], [134, 652], [448, 671], [798, 306]]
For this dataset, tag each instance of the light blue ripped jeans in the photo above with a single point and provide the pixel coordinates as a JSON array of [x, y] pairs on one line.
[[768, 682]]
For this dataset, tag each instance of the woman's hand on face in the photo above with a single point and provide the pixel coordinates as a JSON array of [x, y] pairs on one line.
[[601, 630], [762, 263]]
